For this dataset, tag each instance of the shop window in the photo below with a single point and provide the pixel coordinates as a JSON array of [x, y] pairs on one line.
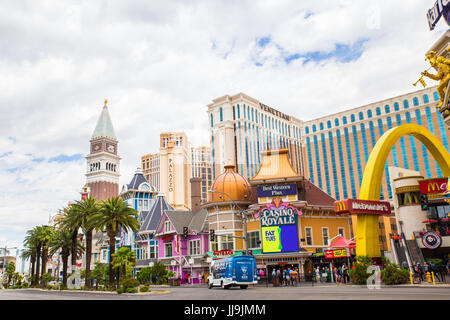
[[167, 226], [168, 249], [226, 242], [341, 231], [325, 236], [253, 239], [194, 247]]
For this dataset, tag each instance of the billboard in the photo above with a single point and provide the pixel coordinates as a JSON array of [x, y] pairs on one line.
[[277, 190], [433, 186], [356, 206], [279, 231]]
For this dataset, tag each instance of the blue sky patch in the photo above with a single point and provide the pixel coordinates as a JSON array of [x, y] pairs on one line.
[[5, 154], [38, 160], [262, 42], [342, 53], [65, 158]]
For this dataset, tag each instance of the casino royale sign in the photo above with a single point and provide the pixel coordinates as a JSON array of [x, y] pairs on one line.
[[279, 227], [278, 217]]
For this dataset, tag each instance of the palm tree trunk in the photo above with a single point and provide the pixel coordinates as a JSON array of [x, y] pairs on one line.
[[74, 248], [112, 250], [38, 258], [33, 263], [88, 256], [65, 258], [44, 261]]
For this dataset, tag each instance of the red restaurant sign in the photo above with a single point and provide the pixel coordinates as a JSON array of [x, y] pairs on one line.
[[432, 186], [356, 206], [330, 254], [223, 252]]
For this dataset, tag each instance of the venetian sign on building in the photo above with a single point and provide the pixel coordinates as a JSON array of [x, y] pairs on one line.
[[279, 227]]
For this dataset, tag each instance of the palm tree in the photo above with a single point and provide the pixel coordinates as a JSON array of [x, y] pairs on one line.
[[31, 244], [115, 214], [122, 259], [72, 222], [86, 209], [44, 235], [62, 241]]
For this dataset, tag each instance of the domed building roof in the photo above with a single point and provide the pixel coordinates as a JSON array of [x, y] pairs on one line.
[[230, 184]]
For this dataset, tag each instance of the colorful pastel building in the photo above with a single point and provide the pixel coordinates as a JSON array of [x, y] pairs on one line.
[[184, 256], [139, 195]]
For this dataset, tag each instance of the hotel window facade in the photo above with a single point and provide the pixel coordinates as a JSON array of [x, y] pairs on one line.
[[323, 156]]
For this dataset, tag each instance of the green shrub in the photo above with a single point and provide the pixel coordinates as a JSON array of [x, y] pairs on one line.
[[393, 274], [144, 288], [119, 291], [130, 283], [358, 274], [131, 290]]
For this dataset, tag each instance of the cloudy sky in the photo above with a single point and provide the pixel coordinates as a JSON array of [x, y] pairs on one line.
[[159, 63]]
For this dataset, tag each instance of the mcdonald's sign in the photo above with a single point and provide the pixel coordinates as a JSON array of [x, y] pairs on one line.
[[341, 206], [356, 206], [433, 186]]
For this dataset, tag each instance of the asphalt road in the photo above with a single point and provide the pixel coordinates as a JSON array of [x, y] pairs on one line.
[[304, 292]]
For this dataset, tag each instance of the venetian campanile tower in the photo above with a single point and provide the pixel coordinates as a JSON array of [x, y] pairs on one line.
[[102, 161]]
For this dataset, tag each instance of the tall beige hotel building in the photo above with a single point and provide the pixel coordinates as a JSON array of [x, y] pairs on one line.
[[170, 170]]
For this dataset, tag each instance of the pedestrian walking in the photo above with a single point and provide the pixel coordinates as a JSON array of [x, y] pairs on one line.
[[287, 277], [274, 277], [279, 277], [419, 270], [345, 274], [294, 276], [317, 274]]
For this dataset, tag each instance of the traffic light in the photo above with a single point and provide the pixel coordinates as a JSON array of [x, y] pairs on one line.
[[250, 252], [211, 235], [185, 232], [424, 202]]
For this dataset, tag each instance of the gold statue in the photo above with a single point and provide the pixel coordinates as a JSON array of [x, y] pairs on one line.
[[442, 66]]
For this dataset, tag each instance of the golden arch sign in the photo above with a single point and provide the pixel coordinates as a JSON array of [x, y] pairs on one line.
[[367, 237]]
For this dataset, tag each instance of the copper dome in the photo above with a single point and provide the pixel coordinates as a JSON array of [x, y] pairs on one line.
[[230, 184]]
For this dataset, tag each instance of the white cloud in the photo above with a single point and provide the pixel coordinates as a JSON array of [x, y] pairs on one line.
[[160, 63]]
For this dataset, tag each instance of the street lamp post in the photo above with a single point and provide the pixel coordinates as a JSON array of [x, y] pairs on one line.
[[243, 214]]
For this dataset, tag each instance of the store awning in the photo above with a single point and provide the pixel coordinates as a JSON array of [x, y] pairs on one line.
[[429, 221], [341, 242]]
